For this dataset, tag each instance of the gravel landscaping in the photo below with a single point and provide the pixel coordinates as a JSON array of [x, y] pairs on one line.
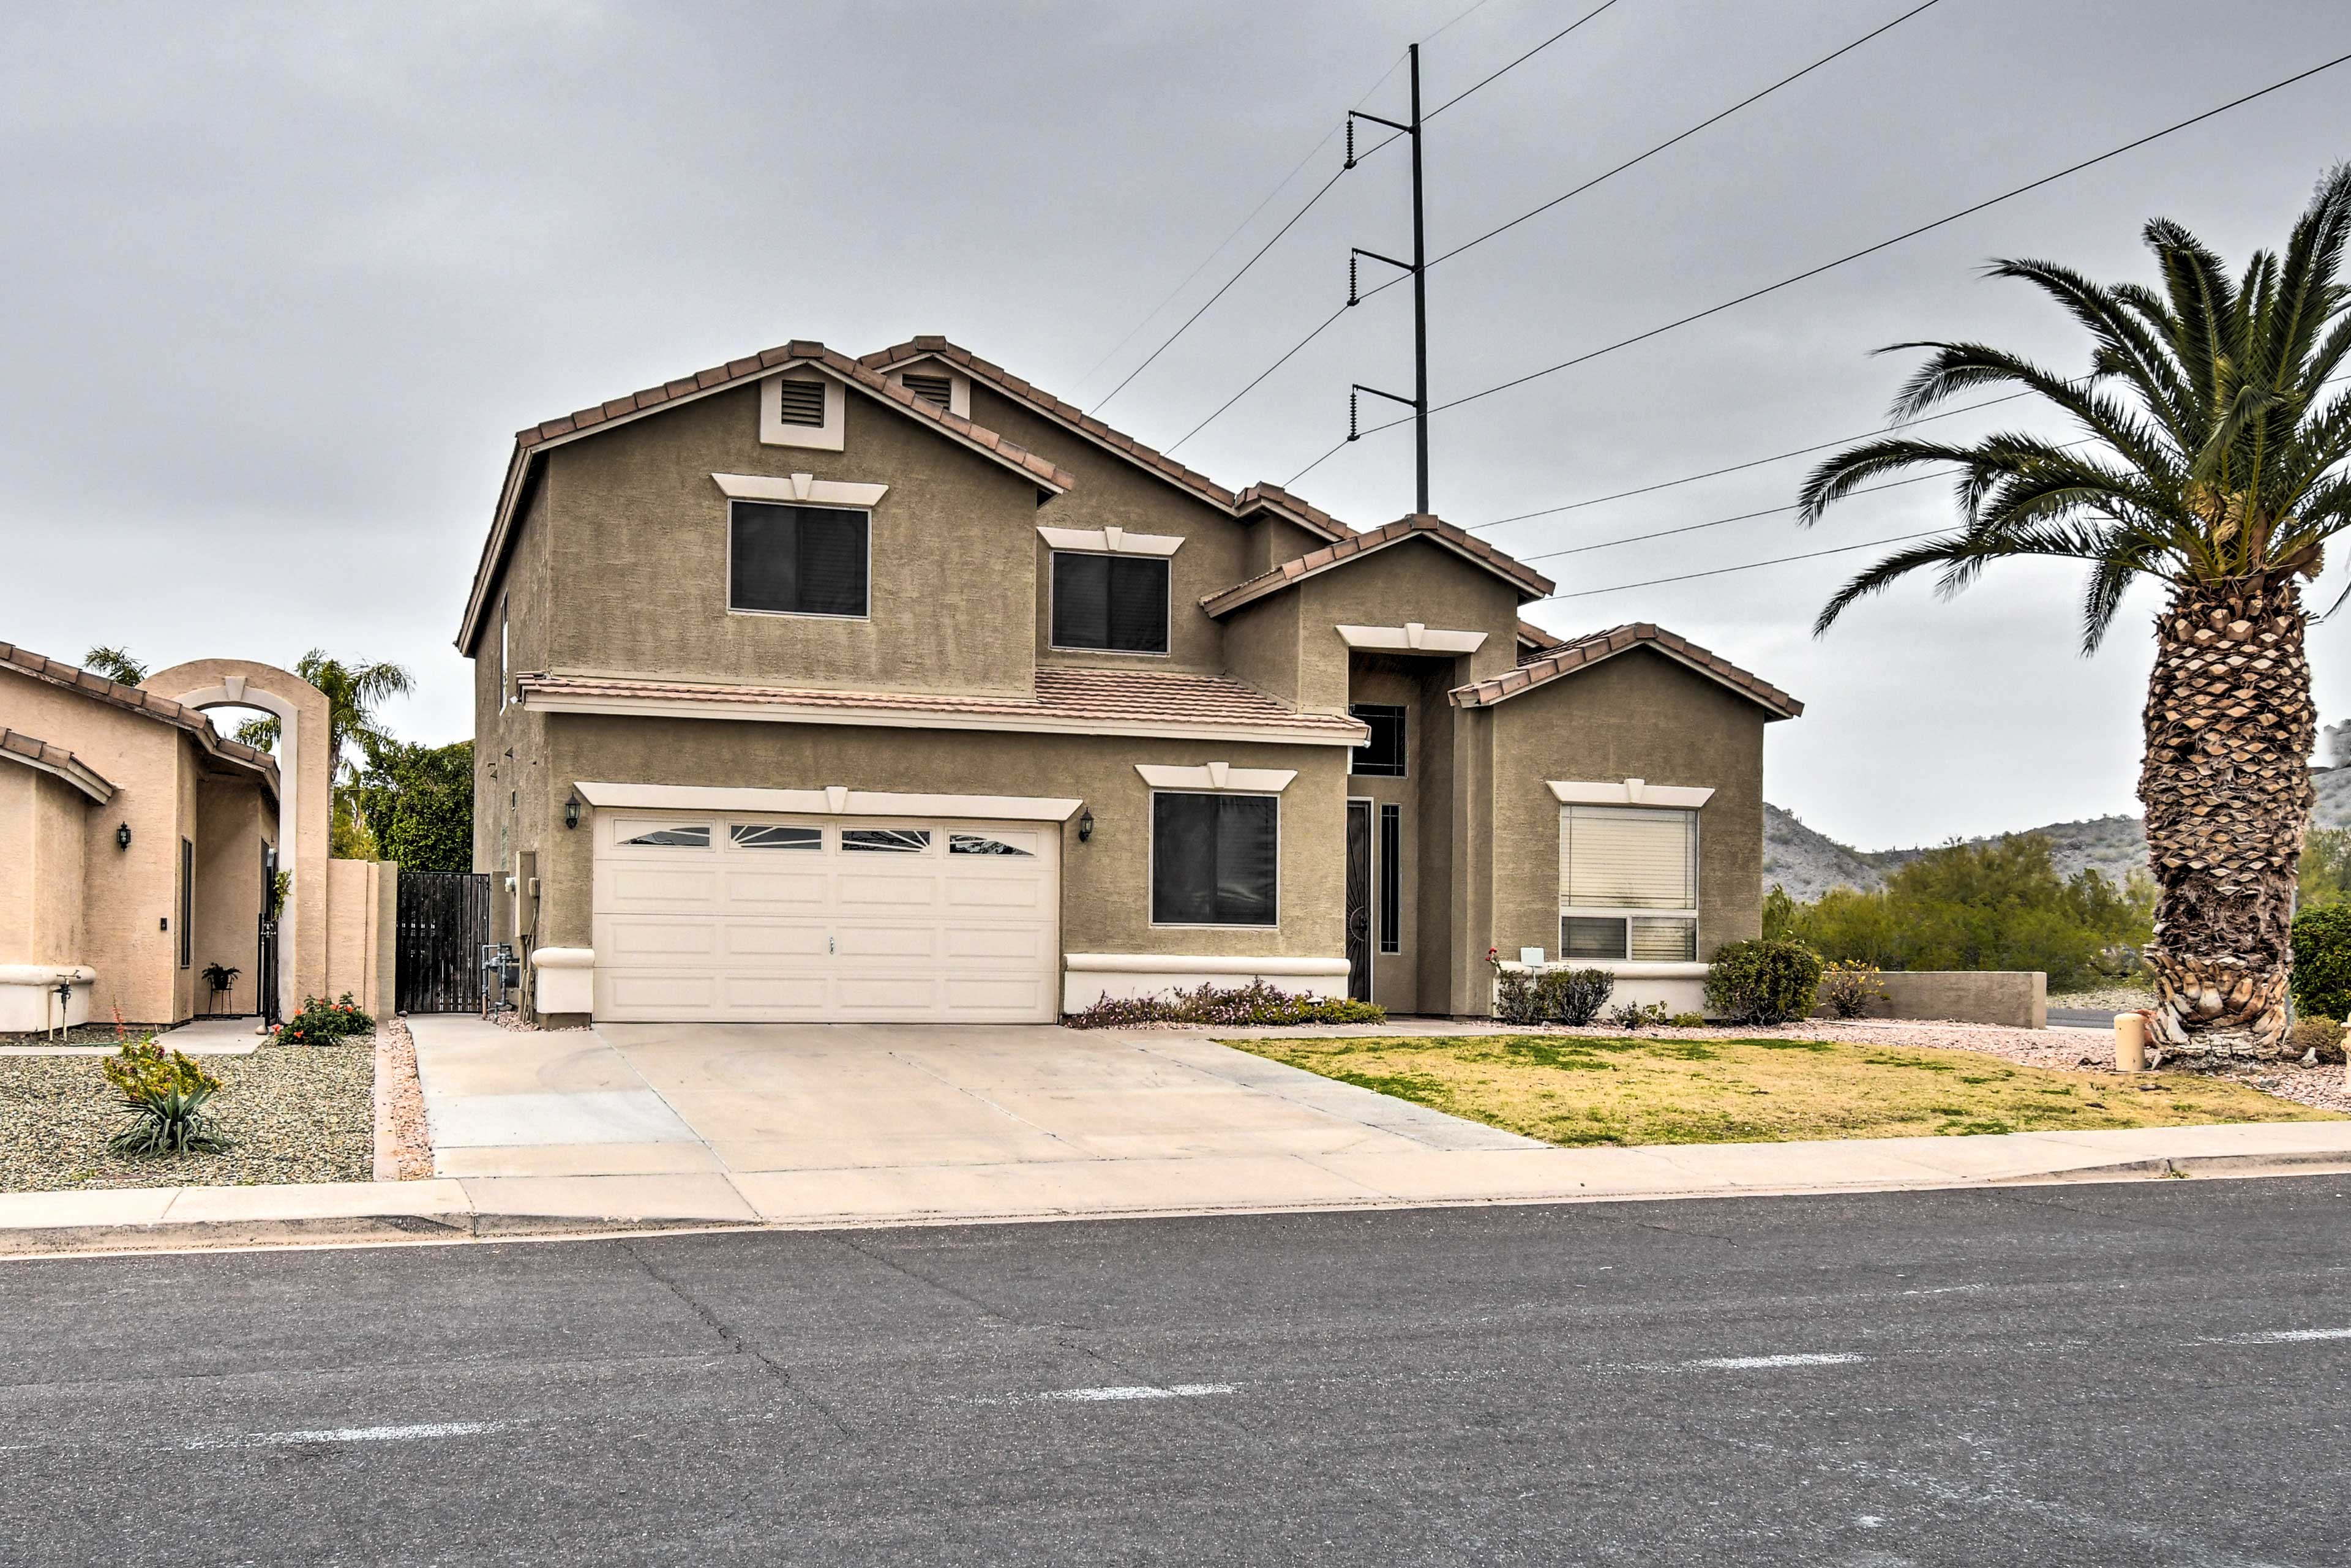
[[108, 1034], [403, 1143], [293, 1113]]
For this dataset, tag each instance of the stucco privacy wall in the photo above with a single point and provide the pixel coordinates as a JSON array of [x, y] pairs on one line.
[[362, 916], [43, 849], [1105, 903], [635, 513], [1637, 716], [305, 796], [2017, 998]]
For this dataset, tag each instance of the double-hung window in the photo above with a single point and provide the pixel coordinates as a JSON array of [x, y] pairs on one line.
[[1117, 604], [1627, 884], [796, 561], [1215, 858]]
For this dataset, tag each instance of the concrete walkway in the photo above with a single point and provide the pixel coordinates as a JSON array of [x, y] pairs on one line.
[[850, 1125], [204, 1036]]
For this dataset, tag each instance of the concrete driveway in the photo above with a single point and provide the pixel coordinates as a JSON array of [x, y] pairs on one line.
[[813, 1123]]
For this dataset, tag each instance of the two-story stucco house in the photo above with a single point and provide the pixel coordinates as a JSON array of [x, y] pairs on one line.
[[894, 688]]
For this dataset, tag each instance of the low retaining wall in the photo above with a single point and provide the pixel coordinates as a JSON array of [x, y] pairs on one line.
[[2018, 998]]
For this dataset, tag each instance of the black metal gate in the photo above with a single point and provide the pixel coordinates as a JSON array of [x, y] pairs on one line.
[[444, 918]]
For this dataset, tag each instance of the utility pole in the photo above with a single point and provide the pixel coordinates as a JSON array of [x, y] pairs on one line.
[[1418, 267]]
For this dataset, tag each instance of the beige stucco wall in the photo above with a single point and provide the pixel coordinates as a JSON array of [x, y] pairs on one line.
[[1105, 901], [44, 846], [360, 933], [2013, 999], [233, 823], [1415, 581], [1637, 716], [642, 531]]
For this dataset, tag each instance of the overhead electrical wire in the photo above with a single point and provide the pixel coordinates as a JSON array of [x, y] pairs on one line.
[[1851, 257], [1317, 196], [1749, 566], [1609, 174]]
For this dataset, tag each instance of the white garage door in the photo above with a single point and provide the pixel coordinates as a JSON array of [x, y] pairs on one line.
[[776, 919]]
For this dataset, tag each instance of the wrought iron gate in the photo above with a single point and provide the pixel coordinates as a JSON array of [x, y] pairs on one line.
[[444, 918]]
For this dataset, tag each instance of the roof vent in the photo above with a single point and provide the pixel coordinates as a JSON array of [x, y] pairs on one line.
[[937, 389], [801, 403]]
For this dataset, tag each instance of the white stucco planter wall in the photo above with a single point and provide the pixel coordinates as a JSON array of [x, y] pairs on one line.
[[567, 978], [28, 996], [1088, 977], [1681, 987]]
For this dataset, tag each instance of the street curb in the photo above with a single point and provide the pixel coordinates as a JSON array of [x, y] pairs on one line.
[[377, 1229]]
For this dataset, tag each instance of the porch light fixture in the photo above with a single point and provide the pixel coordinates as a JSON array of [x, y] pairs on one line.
[[571, 812], [1085, 826], [122, 836]]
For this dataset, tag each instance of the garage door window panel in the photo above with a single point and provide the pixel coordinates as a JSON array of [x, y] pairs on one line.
[[664, 835], [1215, 858], [886, 840], [774, 836], [983, 844], [797, 561], [1628, 883], [1105, 603]]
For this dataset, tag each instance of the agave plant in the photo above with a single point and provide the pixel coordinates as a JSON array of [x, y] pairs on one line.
[[2213, 461], [166, 1094]]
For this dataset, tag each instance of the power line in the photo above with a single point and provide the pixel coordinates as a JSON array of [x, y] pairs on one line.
[[1749, 566], [1856, 255], [1522, 59], [1717, 522], [1588, 184]]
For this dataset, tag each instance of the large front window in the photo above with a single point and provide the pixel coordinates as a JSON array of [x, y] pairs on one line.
[[1627, 884], [1214, 859], [1116, 603], [796, 561]]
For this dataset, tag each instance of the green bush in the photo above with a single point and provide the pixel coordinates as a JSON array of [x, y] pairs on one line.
[[1637, 1016], [1572, 996], [1849, 986], [166, 1094], [324, 1023], [1763, 982], [1256, 1004], [2321, 961], [2312, 1035], [1514, 997]]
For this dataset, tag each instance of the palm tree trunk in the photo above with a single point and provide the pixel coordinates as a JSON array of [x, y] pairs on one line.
[[2226, 784]]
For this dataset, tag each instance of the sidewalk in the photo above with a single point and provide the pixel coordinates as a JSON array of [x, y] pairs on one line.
[[454, 1209]]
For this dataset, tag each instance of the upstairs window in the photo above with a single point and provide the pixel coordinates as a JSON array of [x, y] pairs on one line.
[[1381, 757], [796, 561], [1627, 884], [1116, 603]]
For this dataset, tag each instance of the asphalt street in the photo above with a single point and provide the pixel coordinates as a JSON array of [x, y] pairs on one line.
[[2149, 1373]]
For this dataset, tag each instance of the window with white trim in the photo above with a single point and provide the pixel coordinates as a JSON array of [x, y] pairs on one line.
[[796, 561], [1116, 603], [1627, 884], [1216, 859]]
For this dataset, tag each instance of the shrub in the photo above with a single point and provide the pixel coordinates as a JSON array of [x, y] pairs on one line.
[[1572, 996], [1849, 986], [1637, 1014], [2310, 1033], [1688, 1020], [1763, 982], [1254, 1004], [324, 1023], [2321, 961], [167, 1094], [1514, 997]]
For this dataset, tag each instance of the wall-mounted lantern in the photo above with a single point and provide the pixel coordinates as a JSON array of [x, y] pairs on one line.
[[1085, 826], [122, 837], [571, 812]]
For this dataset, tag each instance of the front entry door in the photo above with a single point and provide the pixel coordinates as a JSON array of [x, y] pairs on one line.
[[1359, 900]]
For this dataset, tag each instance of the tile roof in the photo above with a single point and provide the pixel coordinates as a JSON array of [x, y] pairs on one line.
[[1530, 583], [22, 747], [1534, 640], [717, 378], [1567, 658], [1120, 701], [138, 700], [932, 346]]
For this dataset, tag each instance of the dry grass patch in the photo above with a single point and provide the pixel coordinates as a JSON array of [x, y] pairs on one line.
[[1572, 1090]]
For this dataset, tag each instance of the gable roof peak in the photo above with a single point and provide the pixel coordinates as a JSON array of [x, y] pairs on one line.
[[1580, 654]]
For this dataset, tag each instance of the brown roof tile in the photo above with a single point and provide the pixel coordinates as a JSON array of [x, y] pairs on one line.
[[1120, 700], [56, 759], [1567, 658], [138, 700], [1531, 583]]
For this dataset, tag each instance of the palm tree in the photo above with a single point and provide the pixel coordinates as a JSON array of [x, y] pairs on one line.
[[2210, 463], [353, 692], [115, 664]]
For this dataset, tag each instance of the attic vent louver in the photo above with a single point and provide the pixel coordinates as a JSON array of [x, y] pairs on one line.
[[801, 403], [937, 389]]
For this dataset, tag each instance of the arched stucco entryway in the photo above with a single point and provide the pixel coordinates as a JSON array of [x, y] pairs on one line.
[[305, 798]]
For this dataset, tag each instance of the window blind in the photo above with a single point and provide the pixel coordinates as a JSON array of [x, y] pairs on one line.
[[1627, 857]]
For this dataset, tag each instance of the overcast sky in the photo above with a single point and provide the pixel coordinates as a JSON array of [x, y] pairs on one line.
[[284, 281]]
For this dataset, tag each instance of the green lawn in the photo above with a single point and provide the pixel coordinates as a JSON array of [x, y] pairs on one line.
[[1566, 1088]]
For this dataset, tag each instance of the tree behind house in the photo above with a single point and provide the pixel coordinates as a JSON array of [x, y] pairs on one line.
[[418, 802]]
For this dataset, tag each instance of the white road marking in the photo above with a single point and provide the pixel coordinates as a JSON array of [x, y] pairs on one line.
[[2283, 1336], [1766, 1362], [349, 1435], [1173, 1391]]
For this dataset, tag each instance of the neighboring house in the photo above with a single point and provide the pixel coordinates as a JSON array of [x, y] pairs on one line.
[[819, 688], [137, 844]]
